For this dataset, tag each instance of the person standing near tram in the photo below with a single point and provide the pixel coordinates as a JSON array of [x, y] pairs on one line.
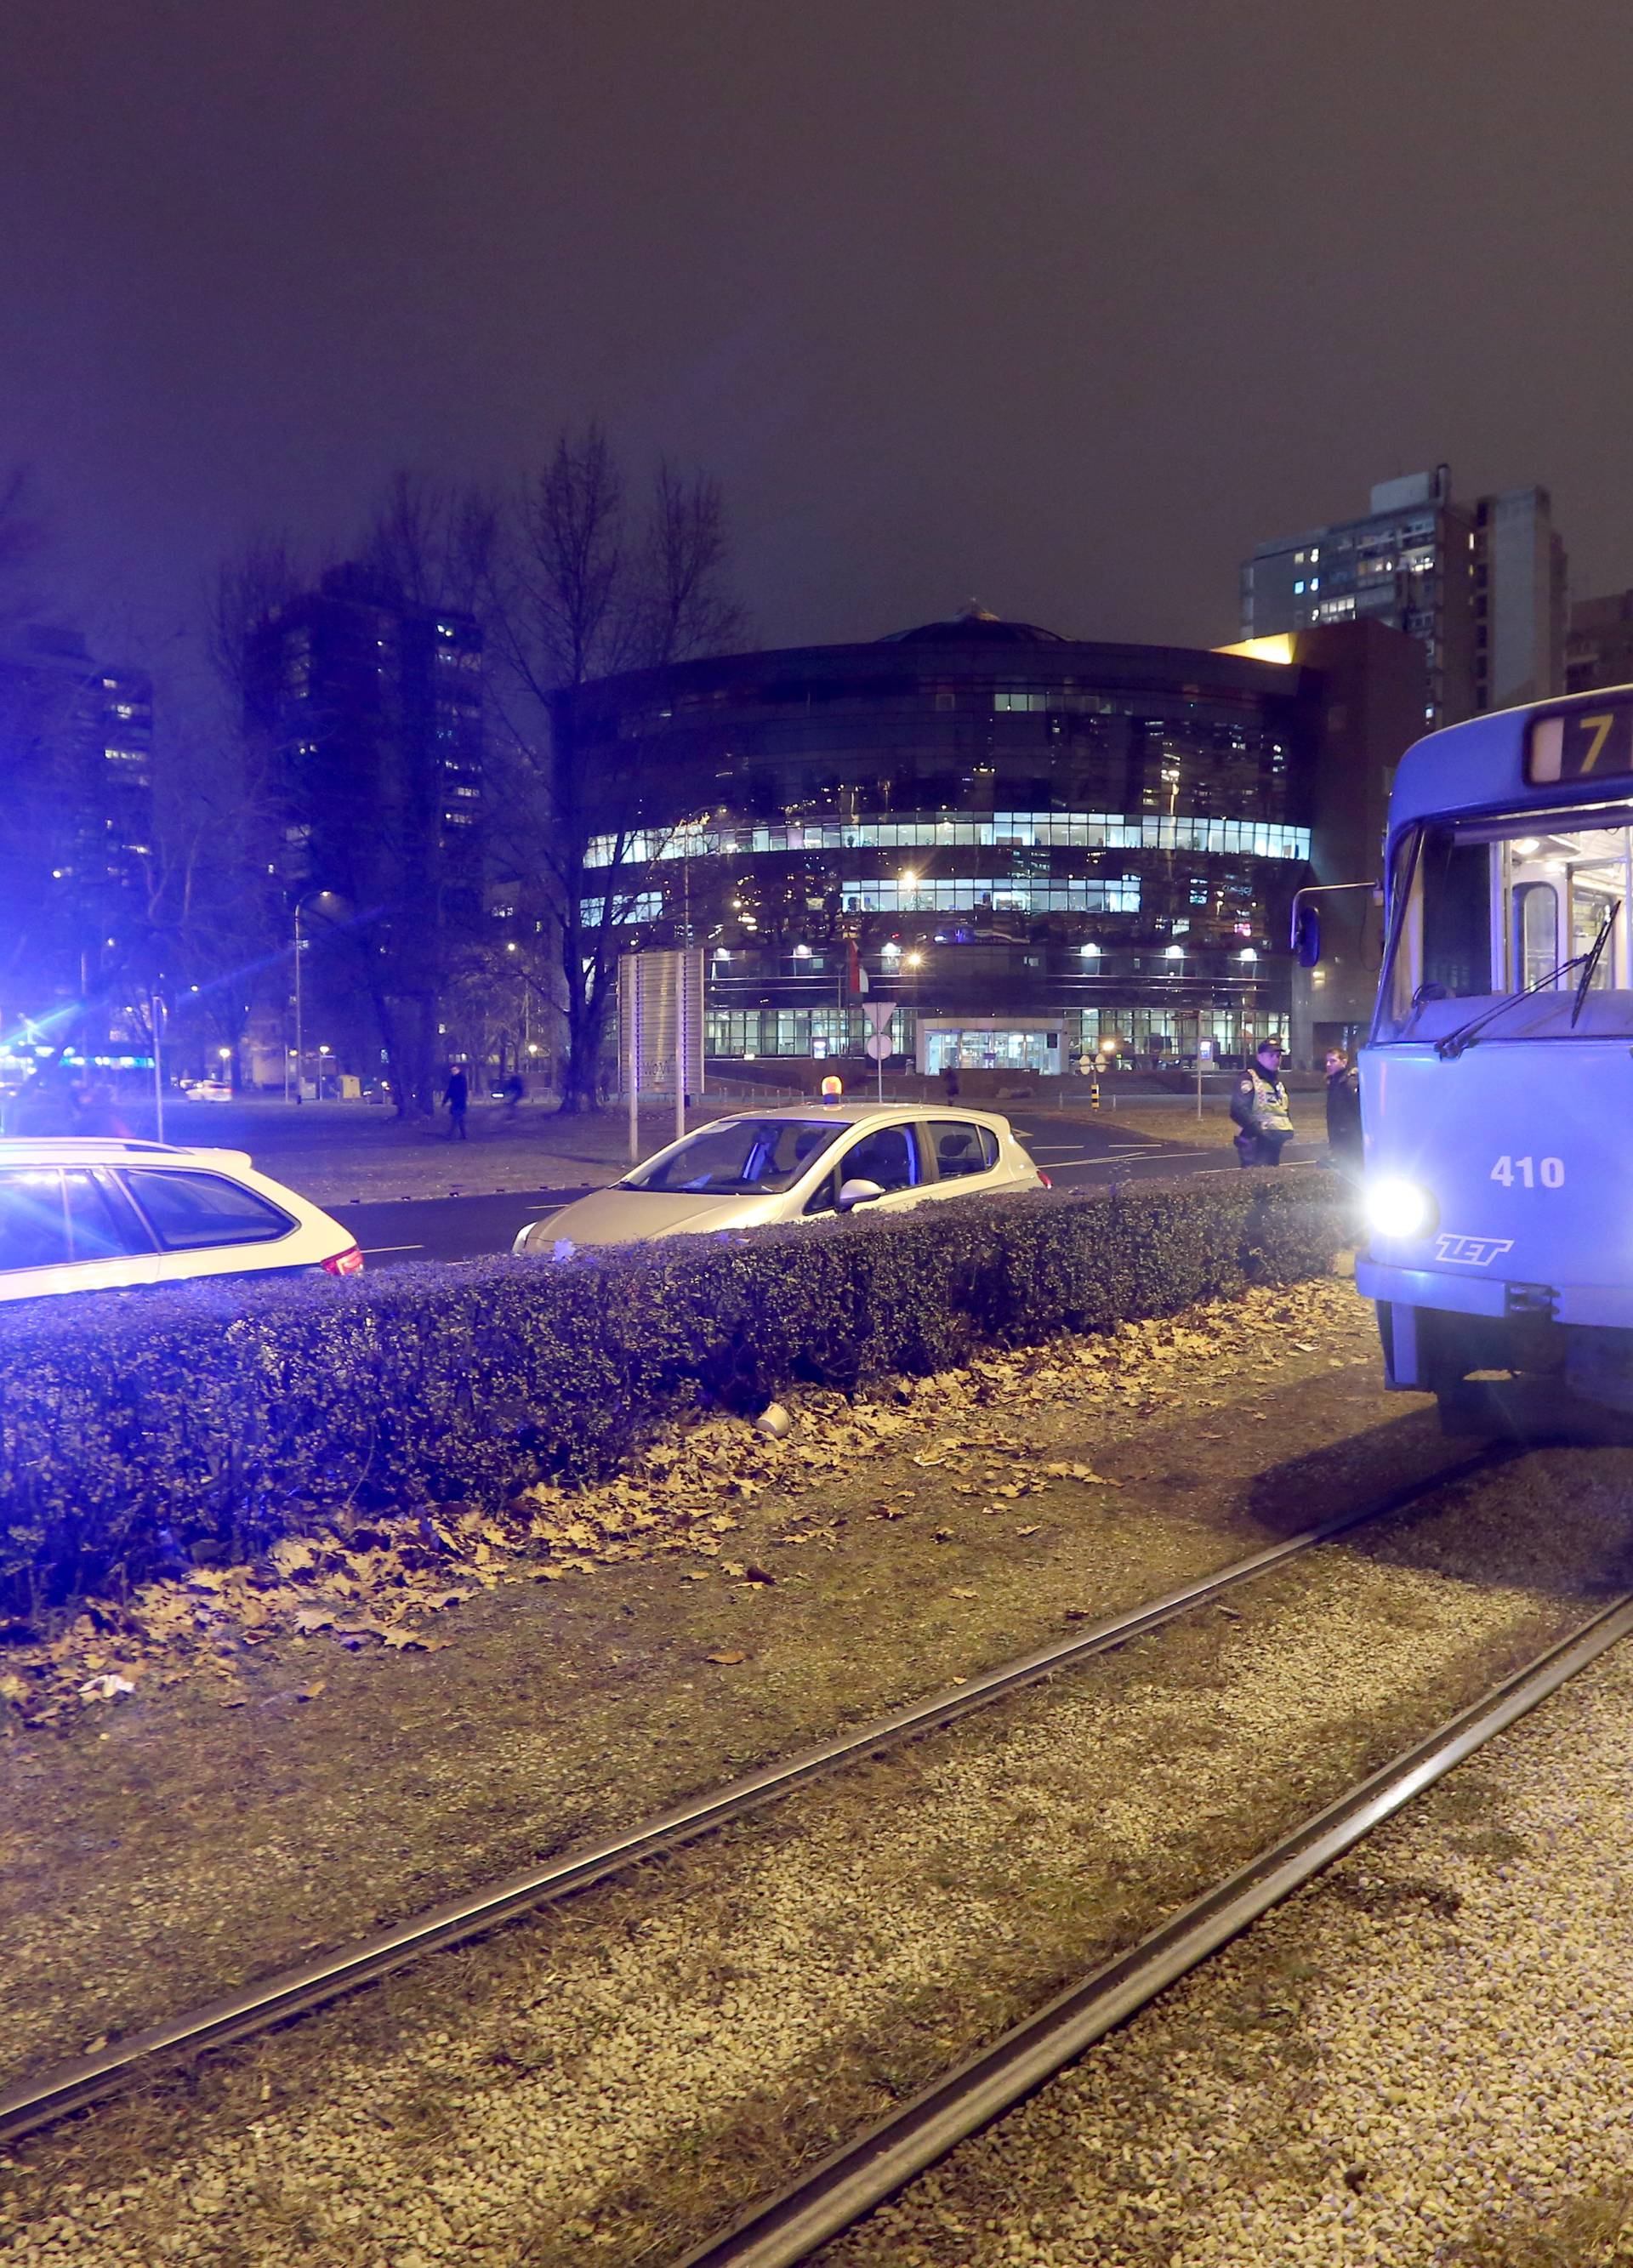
[[1259, 1108], [1343, 1111]]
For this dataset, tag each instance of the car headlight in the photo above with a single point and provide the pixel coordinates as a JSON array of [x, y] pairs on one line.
[[1400, 1209]]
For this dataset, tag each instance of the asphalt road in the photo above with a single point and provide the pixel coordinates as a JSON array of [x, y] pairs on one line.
[[1074, 1153], [445, 1228]]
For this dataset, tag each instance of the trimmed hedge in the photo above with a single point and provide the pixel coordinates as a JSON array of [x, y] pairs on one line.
[[201, 1422]]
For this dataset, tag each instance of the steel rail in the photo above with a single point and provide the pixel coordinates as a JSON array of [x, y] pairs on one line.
[[834, 2195], [73, 2084]]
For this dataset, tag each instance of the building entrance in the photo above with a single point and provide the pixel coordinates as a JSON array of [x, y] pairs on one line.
[[1038, 1050]]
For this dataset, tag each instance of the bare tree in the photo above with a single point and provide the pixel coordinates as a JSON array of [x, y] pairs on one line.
[[586, 591], [433, 544], [689, 606], [248, 590]]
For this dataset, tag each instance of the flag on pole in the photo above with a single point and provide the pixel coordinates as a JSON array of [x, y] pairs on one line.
[[857, 976]]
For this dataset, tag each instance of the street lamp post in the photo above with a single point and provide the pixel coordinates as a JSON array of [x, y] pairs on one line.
[[157, 1013], [300, 1058]]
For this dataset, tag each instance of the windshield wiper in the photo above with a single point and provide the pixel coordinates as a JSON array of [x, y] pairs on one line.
[[1595, 953], [1455, 1042]]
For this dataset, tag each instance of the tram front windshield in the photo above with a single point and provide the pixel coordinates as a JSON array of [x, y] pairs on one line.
[[1497, 911]]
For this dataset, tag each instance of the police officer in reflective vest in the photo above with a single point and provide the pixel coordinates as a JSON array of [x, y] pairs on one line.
[[1259, 1109]]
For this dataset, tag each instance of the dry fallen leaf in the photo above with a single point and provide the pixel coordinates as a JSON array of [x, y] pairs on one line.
[[725, 1659], [1032, 1530], [105, 1689]]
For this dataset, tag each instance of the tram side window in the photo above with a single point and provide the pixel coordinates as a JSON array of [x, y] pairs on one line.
[[1536, 932], [1455, 878]]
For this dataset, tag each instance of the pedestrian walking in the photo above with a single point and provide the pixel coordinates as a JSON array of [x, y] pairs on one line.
[[1259, 1109], [513, 1091], [1343, 1111], [457, 1098], [950, 1081]]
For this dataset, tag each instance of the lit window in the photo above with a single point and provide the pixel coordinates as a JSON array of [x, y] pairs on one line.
[[1298, 590]]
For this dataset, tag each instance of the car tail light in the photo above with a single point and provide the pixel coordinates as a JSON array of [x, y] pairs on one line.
[[349, 1262], [1044, 1178]]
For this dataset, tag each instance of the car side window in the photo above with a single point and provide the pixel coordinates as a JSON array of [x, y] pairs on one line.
[[961, 1147], [825, 1196], [34, 1223], [193, 1212], [887, 1156], [102, 1224]]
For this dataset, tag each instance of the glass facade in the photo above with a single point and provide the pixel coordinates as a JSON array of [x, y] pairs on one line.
[[978, 821], [1031, 830]]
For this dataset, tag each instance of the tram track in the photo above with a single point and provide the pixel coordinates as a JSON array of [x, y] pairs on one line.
[[837, 2194], [76, 2083]]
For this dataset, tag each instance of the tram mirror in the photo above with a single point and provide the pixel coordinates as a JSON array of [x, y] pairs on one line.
[[1307, 937]]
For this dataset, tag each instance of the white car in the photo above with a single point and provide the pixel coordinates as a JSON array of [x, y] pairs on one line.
[[79, 1214], [795, 1165]]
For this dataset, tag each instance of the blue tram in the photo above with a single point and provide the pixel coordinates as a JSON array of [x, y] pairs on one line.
[[1497, 1081]]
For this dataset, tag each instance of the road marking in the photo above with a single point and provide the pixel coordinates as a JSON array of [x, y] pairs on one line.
[[369, 1250], [1293, 1164]]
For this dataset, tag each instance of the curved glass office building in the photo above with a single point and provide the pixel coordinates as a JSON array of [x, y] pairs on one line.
[[1026, 845]]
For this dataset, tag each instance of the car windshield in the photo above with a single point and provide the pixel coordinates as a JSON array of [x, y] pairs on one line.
[[739, 1157], [1494, 928]]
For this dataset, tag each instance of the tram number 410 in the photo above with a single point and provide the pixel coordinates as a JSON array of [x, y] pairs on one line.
[[1529, 1172]]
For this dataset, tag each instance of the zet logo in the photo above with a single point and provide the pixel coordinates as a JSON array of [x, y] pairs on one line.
[[1473, 1251]]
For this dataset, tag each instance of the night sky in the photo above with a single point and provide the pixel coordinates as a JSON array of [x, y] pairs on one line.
[[1055, 304]]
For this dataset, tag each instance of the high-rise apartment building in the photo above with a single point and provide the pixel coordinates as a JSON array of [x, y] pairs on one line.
[[371, 711], [1599, 649], [1520, 599], [1481, 588], [76, 817]]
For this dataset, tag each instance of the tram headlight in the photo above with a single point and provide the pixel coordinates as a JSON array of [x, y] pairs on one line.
[[1399, 1208]]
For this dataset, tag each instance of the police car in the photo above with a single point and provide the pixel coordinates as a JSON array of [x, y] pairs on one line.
[[79, 1214]]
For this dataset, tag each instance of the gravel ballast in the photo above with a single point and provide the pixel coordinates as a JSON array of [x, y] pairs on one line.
[[610, 2079], [1426, 2058]]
